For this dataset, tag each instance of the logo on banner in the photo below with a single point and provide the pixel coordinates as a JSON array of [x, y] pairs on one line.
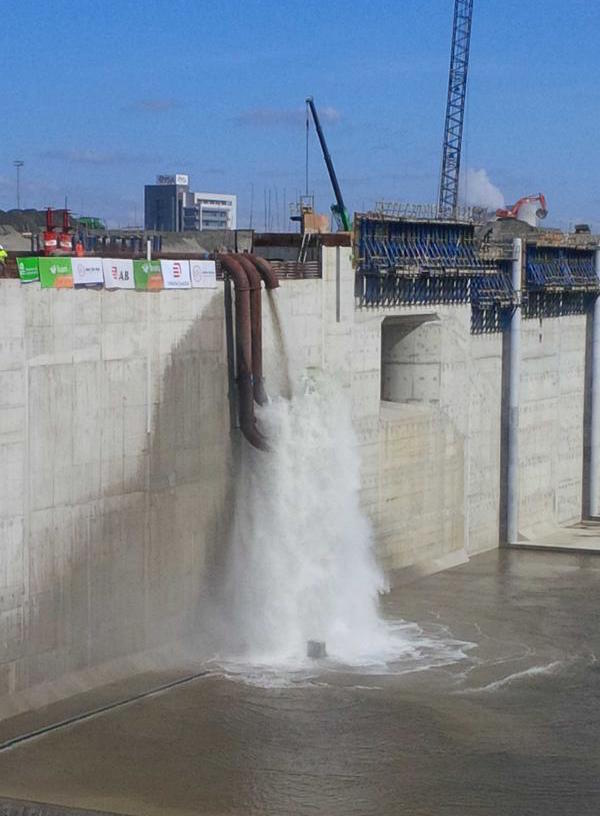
[[122, 275], [196, 272], [176, 269]]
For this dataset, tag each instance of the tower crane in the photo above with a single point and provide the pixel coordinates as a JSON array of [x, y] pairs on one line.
[[455, 106], [339, 208]]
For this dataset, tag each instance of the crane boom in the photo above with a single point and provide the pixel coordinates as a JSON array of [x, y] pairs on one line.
[[455, 106], [339, 208]]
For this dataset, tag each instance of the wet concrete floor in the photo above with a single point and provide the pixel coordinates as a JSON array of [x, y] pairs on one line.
[[514, 728]]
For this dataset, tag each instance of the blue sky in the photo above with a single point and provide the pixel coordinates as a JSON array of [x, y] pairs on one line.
[[100, 97]]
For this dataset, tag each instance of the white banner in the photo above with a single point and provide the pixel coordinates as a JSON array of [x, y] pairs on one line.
[[87, 271], [203, 274], [176, 274], [118, 273]]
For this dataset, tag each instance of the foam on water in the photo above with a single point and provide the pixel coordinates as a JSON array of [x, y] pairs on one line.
[[526, 674], [302, 565]]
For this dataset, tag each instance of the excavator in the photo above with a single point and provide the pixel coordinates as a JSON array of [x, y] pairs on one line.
[[513, 212], [340, 213]]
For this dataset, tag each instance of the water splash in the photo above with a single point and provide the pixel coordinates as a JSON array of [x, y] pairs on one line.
[[302, 565]]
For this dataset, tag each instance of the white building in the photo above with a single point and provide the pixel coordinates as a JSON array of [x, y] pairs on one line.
[[170, 205], [203, 211]]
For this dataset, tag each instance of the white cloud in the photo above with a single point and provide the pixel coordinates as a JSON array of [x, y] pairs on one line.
[[479, 191]]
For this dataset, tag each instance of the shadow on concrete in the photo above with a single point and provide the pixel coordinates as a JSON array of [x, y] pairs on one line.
[[141, 580]]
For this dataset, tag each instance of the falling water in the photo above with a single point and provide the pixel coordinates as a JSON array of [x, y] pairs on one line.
[[303, 566], [301, 563]]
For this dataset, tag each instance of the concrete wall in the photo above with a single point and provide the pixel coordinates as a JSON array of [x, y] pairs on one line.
[[116, 453], [433, 464], [114, 449], [551, 432]]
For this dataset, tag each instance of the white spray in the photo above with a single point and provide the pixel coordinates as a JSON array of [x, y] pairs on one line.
[[301, 560], [302, 564]]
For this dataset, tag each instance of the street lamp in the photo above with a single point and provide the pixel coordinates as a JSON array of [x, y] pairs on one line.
[[18, 164]]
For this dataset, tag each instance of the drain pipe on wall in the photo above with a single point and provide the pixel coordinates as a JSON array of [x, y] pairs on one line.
[[512, 492], [594, 460], [243, 354], [254, 281]]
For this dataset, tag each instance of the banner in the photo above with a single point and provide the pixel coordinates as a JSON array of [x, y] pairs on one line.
[[28, 269], [203, 274], [87, 271], [56, 272], [118, 273], [147, 275], [176, 274]]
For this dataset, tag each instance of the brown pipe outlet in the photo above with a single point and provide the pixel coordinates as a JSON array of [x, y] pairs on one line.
[[243, 340], [254, 280], [267, 272]]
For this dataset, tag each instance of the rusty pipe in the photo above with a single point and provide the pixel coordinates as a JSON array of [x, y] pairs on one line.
[[243, 343], [267, 272], [254, 281]]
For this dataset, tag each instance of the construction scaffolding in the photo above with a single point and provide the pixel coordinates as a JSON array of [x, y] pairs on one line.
[[403, 262], [492, 302], [560, 280]]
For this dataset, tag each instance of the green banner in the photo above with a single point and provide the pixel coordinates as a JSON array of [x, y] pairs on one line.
[[147, 275], [56, 272], [28, 269]]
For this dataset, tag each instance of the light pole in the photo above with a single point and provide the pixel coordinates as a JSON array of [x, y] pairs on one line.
[[18, 164]]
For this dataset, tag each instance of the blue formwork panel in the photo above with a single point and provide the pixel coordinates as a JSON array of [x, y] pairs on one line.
[[560, 268], [402, 262]]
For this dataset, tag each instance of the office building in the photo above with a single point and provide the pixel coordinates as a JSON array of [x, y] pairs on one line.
[[170, 205]]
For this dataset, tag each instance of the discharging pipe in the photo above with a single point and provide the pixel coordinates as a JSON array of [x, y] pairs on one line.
[[254, 281], [243, 344], [267, 272], [514, 377], [594, 459]]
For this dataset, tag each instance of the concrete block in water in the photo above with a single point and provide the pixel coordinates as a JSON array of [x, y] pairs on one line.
[[316, 649]]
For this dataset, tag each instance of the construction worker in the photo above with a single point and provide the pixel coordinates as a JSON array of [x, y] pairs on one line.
[[3, 257]]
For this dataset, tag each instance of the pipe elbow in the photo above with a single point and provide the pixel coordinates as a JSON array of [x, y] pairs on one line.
[[254, 437], [236, 270], [267, 272], [252, 273]]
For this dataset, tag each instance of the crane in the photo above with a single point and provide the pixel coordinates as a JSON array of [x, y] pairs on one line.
[[455, 106], [339, 208]]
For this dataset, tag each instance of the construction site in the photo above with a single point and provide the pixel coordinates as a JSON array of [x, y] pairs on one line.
[[291, 518]]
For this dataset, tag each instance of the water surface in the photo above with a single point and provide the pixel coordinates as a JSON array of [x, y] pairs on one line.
[[511, 727]]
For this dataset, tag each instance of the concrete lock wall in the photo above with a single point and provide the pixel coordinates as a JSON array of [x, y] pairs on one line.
[[551, 429], [116, 452]]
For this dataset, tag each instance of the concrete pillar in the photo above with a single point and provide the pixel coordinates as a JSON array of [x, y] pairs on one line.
[[594, 461], [514, 377]]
